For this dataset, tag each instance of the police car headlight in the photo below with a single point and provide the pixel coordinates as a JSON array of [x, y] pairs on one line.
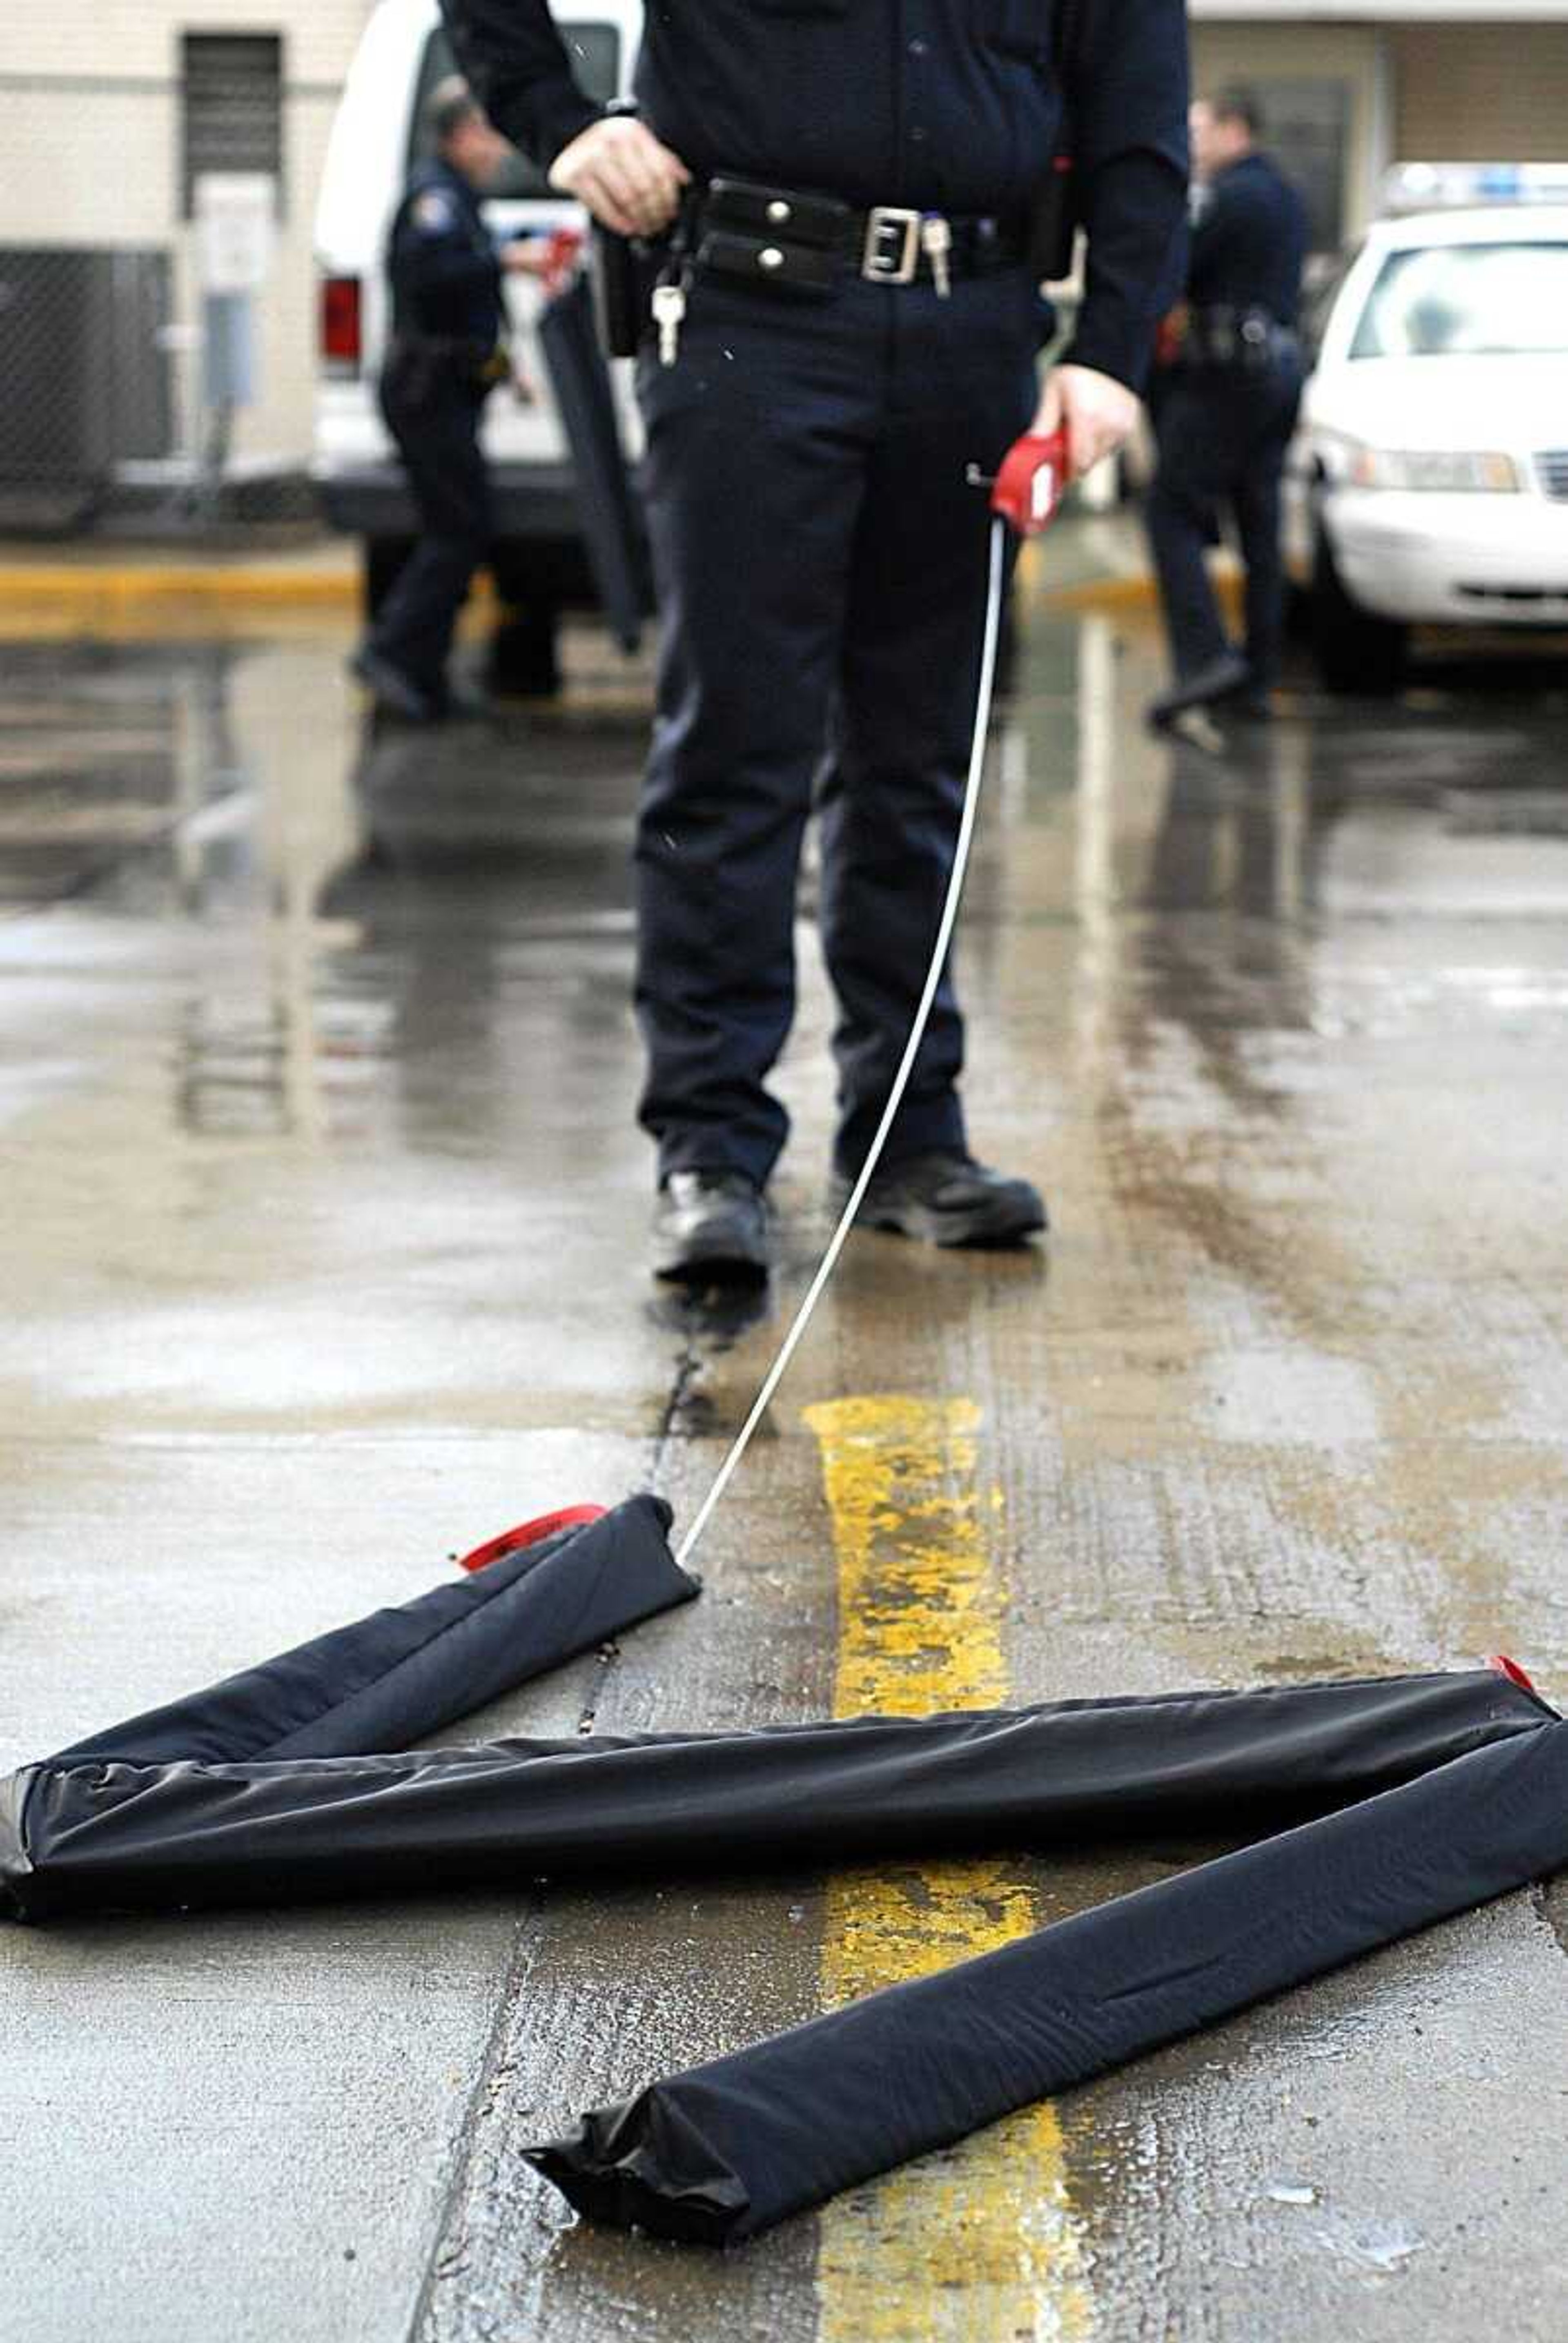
[[1447, 472]]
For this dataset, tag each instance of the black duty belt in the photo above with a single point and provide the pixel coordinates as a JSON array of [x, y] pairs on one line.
[[809, 243], [1250, 338], [463, 355]]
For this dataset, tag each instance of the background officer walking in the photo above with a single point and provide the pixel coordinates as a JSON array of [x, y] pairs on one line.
[[448, 349], [847, 318], [1224, 419]]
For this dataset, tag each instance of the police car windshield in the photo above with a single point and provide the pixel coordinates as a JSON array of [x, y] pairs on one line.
[[595, 51], [1468, 300]]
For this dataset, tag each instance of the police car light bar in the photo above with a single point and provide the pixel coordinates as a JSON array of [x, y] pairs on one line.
[[1443, 186]]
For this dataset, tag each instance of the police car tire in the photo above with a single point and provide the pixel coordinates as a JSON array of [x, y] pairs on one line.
[[1354, 650]]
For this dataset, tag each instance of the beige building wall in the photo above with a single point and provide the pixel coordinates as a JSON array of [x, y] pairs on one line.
[[1481, 93], [92, 108], [1428, 80]]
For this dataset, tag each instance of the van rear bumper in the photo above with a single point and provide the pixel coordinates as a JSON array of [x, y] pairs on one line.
[[532, 501]]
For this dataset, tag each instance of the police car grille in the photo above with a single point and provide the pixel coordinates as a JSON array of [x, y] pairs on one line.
[[1552, 467]]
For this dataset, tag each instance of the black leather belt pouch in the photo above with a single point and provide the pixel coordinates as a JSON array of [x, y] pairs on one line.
[[771, 236], [776, 214], [768, 260]]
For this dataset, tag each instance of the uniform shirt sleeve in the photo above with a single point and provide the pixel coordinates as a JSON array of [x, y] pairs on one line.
[[518, 67], [1218, 239], [1127, 92]]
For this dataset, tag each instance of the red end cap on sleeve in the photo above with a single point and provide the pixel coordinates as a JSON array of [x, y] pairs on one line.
[[569, 1517], [1503, 1667]]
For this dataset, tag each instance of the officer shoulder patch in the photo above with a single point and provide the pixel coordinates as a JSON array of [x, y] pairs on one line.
[[435, 212]]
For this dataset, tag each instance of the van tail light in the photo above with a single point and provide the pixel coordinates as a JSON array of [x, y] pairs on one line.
[[339, 320]]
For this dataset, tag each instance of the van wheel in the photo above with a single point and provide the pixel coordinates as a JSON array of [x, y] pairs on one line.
[[380, 560], [1355, 651]]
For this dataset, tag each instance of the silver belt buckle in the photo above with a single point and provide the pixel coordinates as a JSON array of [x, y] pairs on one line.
[[883, 261]]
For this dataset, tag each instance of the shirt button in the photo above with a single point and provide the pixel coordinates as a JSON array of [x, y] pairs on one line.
[[919, 48]]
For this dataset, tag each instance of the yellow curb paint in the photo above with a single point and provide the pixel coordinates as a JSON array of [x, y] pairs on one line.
[[99, 591], [979, 2243], [133, 587]]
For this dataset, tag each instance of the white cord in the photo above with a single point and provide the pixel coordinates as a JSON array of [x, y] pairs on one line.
[[814, 1291]]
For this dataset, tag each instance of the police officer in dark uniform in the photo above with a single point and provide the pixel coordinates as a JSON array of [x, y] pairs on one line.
[[846, 319], [1225, 417], [447, 349]]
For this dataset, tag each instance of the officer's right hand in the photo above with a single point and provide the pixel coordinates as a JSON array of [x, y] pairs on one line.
[[628, 179]]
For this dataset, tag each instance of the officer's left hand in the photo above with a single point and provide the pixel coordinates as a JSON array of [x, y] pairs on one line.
[[1098, 411]]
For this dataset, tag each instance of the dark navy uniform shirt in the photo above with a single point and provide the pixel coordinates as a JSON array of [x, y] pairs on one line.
[[1250, 245], [445, 277], [944, 104]]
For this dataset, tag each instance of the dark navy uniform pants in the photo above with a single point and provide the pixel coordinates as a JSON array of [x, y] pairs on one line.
[[1223, 437], [433, 413], [822, 568]]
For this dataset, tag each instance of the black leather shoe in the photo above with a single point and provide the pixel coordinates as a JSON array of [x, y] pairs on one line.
[[1217, 681], [397, 693], [948, 1199], [710, 1227]]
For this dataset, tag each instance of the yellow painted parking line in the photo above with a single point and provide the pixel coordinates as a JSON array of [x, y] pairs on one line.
[[977, 2244]]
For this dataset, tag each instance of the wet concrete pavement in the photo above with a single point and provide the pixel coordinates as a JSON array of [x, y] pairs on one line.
[[324, 1261]]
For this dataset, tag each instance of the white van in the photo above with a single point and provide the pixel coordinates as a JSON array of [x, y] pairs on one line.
[[378, 136]]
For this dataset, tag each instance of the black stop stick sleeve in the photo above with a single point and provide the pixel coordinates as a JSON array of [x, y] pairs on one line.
[[403, 1672], [720, 2153], [106, 1834]]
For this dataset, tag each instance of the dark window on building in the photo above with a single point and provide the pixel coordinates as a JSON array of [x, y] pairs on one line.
[[231, 107]]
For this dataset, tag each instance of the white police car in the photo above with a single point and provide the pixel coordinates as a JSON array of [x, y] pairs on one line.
[[1428, 484]]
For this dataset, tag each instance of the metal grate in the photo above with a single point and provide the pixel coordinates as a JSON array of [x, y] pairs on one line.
[[1552, 467], [89, 380]]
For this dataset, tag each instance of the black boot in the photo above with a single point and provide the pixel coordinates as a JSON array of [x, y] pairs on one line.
[[1219, 681], [948, 1199], [396, 693], [710, 1226]]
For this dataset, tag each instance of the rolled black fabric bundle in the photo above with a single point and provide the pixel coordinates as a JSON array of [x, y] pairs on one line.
[[117, 1834], [374, 1685], [400, 1672], [726, 2151]]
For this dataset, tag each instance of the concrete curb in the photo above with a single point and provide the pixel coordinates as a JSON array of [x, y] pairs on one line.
[[127, 589], [67, 591]]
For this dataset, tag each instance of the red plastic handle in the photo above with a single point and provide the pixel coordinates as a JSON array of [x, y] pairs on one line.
[[569, 1517], [1032, 481], [562, 253]]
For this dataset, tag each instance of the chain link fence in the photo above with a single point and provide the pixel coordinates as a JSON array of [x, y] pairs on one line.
[[145, 394]]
